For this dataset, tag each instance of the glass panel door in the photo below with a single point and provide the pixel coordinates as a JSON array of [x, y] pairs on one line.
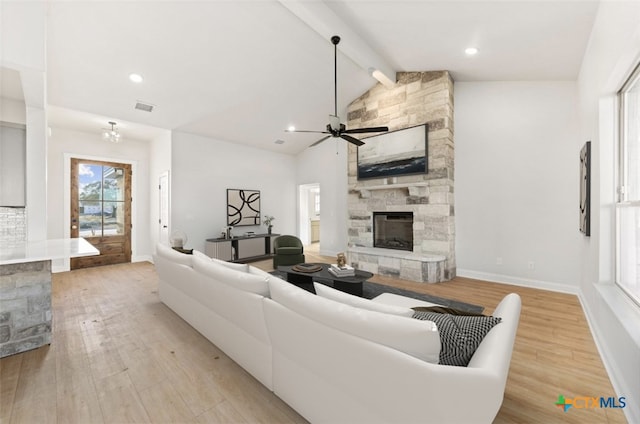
[[101, 200]]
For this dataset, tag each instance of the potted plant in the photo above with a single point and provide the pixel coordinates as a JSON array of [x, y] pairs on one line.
[[267, 221]]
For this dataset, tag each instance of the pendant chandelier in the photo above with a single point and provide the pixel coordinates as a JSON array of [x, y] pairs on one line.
[[112, 135]]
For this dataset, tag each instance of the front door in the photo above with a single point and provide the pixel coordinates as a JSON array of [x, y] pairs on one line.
[[101, 210]]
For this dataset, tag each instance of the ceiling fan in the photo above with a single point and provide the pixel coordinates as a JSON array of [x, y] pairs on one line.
[[335, 128]]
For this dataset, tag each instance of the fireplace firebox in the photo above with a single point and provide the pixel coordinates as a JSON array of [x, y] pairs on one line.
[[393, 230]]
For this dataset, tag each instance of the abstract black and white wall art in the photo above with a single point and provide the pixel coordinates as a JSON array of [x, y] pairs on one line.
[[394, 153], [585, 189], [243, 207]]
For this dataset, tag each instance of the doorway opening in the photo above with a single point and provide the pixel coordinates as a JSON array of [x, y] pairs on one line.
[[309, 212]]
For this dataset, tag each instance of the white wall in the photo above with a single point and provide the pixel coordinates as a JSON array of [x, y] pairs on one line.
[[23, 34], [160, 161], [64, 142], [613, 51], [202, 170], [516, 182], [321, 164], [13, 111]]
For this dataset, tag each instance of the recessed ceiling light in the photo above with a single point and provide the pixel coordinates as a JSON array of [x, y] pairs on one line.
[[470, 51], [136, 78], [291, 128]]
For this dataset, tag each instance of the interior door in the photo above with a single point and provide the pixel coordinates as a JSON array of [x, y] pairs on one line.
[[101, 210], [163, 186]]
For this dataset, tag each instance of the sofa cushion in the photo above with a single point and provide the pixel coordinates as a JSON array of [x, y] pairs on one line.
[[230, 265], [173, 255], [397, 332], [234, 278], [460, 335], [288, 250], [359, 302], [257, 271]]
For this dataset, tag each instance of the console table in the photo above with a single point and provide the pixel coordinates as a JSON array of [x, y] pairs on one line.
[[240, 249]]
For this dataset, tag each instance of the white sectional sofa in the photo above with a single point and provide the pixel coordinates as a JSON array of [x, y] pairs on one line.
[[337, 361]]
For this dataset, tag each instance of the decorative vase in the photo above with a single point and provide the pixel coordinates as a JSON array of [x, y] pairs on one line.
[[269, 229]]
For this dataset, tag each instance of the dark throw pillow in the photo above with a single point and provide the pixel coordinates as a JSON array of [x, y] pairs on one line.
[[460, 335]]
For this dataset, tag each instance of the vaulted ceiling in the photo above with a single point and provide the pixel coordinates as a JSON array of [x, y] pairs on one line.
[[243, 71]]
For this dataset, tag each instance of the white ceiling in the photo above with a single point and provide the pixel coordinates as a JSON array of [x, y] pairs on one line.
[[243, 71]]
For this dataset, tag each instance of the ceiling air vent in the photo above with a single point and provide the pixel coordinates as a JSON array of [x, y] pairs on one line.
[[144, 106]]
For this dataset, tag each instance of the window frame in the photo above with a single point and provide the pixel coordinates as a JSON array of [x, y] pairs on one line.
[[622, 177]]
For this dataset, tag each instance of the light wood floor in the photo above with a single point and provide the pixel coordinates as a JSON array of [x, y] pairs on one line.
[[119, 355]]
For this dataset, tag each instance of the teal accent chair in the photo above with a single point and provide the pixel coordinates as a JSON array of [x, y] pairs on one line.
[[287, 250]]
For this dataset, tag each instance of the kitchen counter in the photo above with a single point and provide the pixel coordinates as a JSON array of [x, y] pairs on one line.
[[25, 290], [33, 251]]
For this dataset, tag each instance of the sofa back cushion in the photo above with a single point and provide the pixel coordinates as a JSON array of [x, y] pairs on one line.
[[173, 255], [411, 336], [230, 265], [359, 302], [238, 279]]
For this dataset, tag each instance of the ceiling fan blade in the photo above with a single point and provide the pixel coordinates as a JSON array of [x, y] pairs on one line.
[[305, 131], [366, 130], [352, 140], [320, 141]]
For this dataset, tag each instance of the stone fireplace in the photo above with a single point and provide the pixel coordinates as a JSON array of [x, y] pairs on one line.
[[418, 98], [393, 230]]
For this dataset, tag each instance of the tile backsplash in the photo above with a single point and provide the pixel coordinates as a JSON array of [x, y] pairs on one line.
[[13, 225]]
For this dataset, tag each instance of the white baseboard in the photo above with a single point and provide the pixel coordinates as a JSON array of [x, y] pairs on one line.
[[59, 268], [142, 258], [328, 253], [517, 281]]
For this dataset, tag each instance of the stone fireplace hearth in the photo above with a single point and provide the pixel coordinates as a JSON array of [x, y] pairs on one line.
[[418, 98]]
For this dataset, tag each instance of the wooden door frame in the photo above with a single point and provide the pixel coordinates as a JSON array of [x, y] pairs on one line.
[[67, 198]]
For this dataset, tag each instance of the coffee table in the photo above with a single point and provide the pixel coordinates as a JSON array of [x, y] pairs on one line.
[[351, 285]]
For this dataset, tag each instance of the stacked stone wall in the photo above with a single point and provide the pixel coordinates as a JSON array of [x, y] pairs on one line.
[[25, 306], [418, 98]]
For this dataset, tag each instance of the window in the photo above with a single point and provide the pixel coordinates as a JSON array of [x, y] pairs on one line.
[[316, 203], [628, 204], [100, 200]]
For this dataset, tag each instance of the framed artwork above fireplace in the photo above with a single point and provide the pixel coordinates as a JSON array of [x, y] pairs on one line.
[[394, 153]]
